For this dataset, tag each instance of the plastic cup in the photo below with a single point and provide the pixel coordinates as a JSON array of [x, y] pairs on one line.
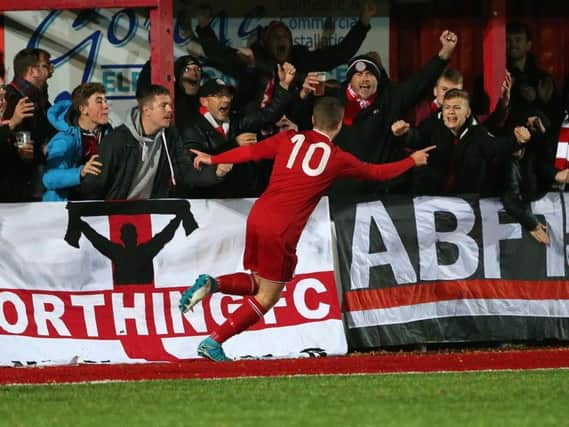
[[23, 137], [319, 90]]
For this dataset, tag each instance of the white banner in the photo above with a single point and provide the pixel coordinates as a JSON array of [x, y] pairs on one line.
[[109, 300]]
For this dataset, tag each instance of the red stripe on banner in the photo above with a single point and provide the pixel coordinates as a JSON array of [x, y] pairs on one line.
[[93, 315], [308, 298], [143, 226], [367, 299], [141, 222]]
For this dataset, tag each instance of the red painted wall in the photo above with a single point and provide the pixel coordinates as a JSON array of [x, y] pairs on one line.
[[416, 28]]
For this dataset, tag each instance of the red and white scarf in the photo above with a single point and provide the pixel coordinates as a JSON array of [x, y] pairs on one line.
[[268, 93], [562, 156], [434, 107], [222, 128], [355, 104]]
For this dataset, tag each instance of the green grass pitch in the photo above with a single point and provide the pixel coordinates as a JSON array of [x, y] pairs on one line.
[[501, 398]]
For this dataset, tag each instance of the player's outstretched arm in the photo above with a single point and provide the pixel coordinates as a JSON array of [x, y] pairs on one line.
[[421, 157], [382, 172], [201, 158]]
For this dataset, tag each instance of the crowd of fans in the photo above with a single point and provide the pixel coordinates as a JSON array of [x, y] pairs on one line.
[[68, 151]]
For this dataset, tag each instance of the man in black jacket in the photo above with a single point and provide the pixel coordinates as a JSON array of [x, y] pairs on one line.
[[145, 157], [467, 159], [373, 103], [11, 174], [529, 175], [218, 128], [32, 69]]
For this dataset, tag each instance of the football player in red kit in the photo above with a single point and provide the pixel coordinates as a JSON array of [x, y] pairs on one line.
[[305, 165]]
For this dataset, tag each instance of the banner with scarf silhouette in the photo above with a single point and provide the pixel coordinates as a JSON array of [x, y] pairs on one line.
[[100, 282]]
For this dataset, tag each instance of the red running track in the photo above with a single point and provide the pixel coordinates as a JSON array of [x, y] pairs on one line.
[[352, 364]]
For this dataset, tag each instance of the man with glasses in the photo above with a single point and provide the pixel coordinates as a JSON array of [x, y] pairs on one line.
[[32, 69]]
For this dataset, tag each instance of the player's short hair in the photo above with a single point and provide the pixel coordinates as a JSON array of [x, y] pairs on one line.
[[457, 93], [147, 95], [81, 94], [328, 112], [452, 75], [26, 58]]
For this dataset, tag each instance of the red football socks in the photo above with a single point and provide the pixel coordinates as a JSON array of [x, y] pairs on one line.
[[246, 315], [237, 284]]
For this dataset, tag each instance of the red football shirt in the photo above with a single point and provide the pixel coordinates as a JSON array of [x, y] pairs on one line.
[[305, 165]]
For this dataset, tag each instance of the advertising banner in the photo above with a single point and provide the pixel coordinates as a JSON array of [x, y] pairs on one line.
[[101, 281], [451, 269]]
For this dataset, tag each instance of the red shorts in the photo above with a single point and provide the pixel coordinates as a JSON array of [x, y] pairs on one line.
[[268, 254]]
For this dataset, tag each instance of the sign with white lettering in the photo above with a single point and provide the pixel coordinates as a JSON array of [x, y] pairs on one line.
[[451, 269], [101, 281]]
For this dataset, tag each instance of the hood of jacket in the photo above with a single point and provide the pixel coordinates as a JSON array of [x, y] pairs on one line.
[[59, 116], [133, 124]]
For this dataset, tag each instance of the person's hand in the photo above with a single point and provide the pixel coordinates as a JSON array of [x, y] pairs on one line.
[[539, 233], [203, 15], [24, 109], [286, 73], [506, 90], [26, 152], [528, 93], [92, 167], [545, 89], [534, 123], [246, 138], [223, 169], [201, 159], [421, 157], [246, 55], [448, 43], [562, 177], [285, 124], [369, 9], [522, 134], [309, 85], [400, 127]]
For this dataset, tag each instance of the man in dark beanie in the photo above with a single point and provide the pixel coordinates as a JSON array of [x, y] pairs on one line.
[[188, 76], [364, 75], [372, 104]]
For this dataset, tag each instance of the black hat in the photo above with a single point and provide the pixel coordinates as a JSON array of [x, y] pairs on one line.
[[182, 62], [215, 86], [361, 63], [190, 60]]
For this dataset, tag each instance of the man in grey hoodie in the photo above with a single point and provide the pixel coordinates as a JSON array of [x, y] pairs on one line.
[[145, 158]]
